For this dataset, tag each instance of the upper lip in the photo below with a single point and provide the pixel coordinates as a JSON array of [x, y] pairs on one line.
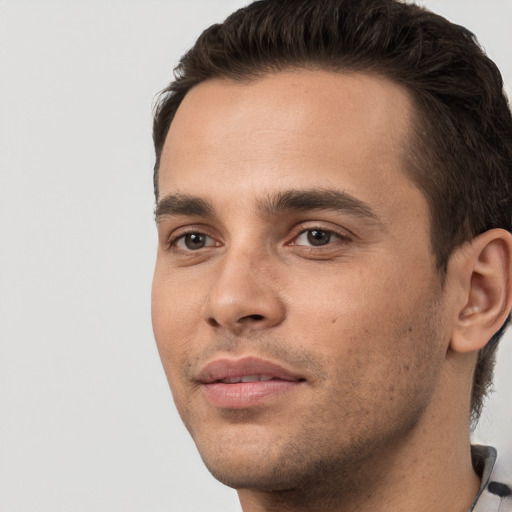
[[224, 368]]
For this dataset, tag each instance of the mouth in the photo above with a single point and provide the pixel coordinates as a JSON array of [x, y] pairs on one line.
[[247, 378], [247, 382]]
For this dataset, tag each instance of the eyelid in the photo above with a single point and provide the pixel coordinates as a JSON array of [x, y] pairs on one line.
[[333, 238], [303, 227], [180, 242], [179, 233]]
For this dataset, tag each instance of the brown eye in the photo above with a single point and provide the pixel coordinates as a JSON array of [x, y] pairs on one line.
[[317, 237], [194, 242]]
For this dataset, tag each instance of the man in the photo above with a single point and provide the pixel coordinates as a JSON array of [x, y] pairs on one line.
[[333, 183]]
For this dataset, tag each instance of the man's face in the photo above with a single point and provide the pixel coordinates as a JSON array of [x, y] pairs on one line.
[[296, 306]]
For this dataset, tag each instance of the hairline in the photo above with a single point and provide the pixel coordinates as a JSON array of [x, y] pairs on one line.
[[418, 121]]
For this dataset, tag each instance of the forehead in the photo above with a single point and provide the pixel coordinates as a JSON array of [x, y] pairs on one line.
[[295, 129]]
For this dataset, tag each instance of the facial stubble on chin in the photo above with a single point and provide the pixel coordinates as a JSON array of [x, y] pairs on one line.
[[309, 468], [323, 464]]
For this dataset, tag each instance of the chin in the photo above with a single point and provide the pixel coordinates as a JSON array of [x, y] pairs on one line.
[[275, 466], [301, 460], [263, 475], [249, 465]]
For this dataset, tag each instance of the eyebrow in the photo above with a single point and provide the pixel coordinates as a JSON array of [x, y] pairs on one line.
[[182, 204], [316, 199], [274, 204]]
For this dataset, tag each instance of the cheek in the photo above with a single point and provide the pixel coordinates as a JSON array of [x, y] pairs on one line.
[[369, 315], [174, 318], [341, 304], [176, 298], [380, 355]]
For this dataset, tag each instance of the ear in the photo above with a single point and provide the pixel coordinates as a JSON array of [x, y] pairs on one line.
[[481, 273]]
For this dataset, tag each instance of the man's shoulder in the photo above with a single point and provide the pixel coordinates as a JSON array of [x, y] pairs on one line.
[[495, 493]]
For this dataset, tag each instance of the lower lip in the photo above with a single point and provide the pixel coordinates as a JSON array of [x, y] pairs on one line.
[[246, 394]]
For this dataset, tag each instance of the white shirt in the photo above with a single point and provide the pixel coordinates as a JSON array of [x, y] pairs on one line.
[[495, 493]]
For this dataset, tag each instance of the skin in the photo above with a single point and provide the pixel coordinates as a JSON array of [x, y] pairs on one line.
[[380, 421]]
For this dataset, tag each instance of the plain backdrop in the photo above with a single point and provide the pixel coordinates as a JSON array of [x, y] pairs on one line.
[[87, 422]]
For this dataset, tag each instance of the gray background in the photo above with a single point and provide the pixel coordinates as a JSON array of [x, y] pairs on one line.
[[86, 419]]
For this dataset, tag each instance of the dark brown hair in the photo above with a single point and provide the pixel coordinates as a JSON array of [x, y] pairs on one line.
[[461, 150]]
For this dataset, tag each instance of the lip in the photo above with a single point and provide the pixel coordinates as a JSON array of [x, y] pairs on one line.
[[238, 395]]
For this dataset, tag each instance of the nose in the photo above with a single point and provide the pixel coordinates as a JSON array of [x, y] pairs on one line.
[[244, 294]]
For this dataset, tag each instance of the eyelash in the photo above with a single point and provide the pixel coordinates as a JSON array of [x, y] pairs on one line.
[[341, 236], [174, 239]]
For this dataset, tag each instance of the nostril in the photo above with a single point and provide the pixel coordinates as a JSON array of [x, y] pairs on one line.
[[257, 318], [212, 322]]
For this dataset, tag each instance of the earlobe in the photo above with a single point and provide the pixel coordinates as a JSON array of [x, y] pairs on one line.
[[482, 269]]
